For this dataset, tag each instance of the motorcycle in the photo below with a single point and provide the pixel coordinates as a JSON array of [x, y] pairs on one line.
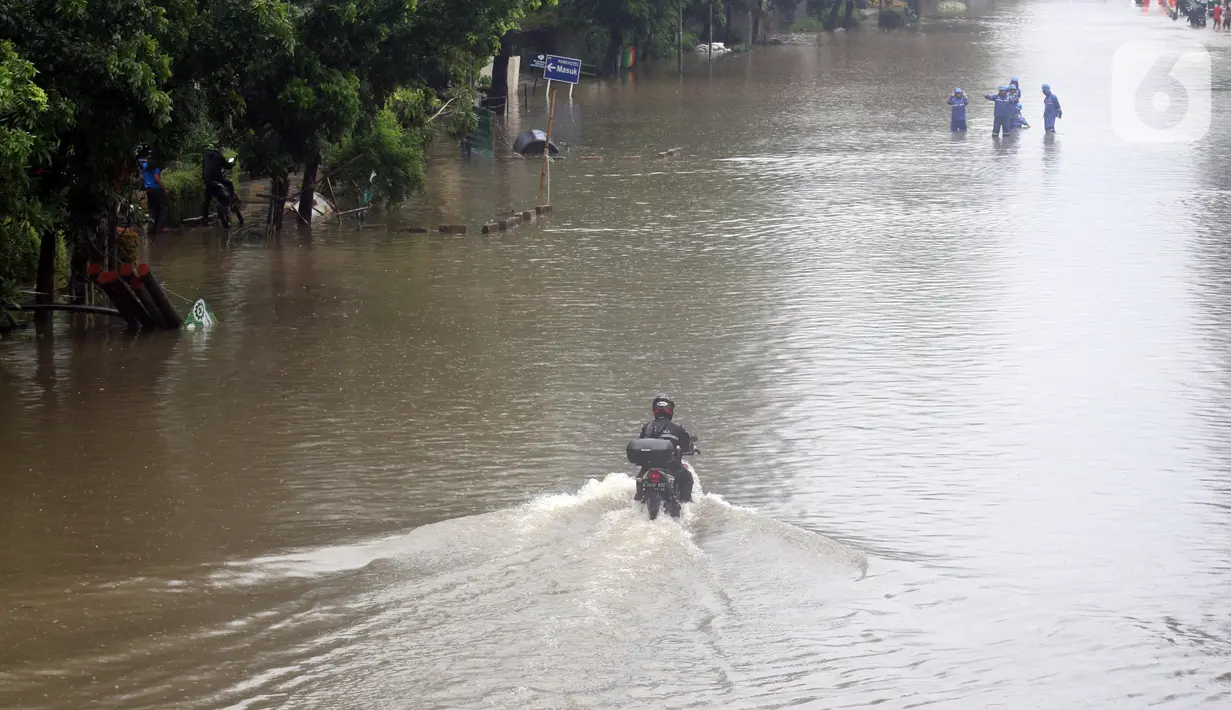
[[224, 194], [660, 490]]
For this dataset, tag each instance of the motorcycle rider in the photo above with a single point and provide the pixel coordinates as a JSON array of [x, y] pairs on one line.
[[217, 185], [662, 427]]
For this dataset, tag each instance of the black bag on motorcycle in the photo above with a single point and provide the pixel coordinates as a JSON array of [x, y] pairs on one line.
[[651, 453]]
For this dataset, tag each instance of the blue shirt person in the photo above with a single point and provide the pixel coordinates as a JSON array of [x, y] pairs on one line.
[[151, 177], [155, 191], [1051, 109], [1015, 89], [1005, 109], [1019, 121], [957, 118]]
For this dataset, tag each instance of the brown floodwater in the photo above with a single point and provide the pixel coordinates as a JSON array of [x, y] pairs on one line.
[[963, 406]]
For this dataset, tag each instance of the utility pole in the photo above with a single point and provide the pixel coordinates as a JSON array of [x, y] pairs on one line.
[[679, 37], [711, 31]]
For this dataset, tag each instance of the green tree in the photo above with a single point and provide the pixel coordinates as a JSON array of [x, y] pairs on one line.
[[102, 68], [330, 69], [619, 21], [23, 107]]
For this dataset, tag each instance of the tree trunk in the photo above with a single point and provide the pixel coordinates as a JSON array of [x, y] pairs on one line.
[[611, 62], [45, 284], [307, 193], [277, 201], [78, 286], [498, 97]]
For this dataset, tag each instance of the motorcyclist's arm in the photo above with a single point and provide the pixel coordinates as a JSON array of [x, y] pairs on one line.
[[685, 441]]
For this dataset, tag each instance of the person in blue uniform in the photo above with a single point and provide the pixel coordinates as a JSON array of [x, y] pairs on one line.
[[1019, 121], [155, 192], [1051, 109], [1002, 121], [957, 117]]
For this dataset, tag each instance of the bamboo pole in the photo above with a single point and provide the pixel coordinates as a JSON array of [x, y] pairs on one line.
[[545, 173]]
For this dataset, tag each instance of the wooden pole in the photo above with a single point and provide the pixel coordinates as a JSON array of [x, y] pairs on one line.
[[711, 58], [679, 37], [66, 307], [545, 174]]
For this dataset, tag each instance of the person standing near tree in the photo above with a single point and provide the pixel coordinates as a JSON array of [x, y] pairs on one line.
[[212, 177], [155, 192]]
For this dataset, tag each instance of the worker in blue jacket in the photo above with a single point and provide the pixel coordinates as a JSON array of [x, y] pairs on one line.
[[1015, 89], [957, 118], [1002, 116], [1019, 121], [1051, 109]]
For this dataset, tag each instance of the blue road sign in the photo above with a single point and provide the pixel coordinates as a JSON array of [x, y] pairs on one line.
[[562, 69]]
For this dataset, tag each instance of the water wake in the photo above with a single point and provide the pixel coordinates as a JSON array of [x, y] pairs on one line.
[[599, 519]]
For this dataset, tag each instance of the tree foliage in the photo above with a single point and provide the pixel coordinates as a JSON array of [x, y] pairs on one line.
[[289, 83], [23, 106]]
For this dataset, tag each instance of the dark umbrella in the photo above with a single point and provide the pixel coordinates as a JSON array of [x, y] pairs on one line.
[[531, 143]]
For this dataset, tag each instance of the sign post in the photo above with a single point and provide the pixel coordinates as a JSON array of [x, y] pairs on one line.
[[555, 69], [200, 317]]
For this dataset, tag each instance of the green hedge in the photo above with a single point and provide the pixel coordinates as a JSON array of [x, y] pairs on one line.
[[19, 252], [185, 193], [19, 247]]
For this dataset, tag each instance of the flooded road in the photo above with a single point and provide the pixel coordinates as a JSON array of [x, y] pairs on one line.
[[963, 405]]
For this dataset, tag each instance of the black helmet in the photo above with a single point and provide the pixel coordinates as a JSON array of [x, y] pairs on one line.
[[663, 406]]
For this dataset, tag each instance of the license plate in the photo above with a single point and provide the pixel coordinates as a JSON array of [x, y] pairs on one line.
[[660, 486]]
